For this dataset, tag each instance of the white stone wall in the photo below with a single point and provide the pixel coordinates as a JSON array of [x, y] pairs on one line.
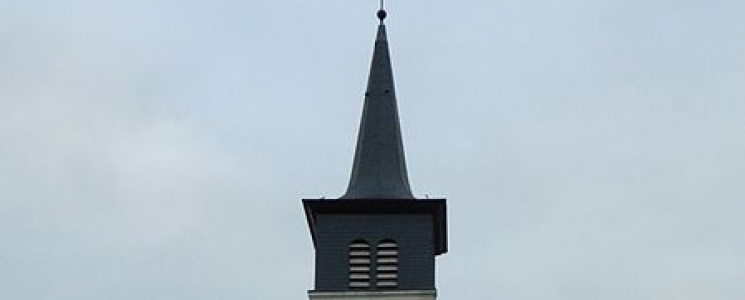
[[374, 295]]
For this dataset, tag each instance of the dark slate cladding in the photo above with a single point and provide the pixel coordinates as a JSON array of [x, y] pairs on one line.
[[378, 203], [413, 233], [417, 226], [435, 209], [379, 168]]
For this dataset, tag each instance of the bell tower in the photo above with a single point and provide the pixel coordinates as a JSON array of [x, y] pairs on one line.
[[377, 241]]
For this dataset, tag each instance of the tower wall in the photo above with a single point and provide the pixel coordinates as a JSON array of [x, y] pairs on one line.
[[412, 232]]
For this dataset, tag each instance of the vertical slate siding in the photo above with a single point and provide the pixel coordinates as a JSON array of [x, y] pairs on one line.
[[413, 233]]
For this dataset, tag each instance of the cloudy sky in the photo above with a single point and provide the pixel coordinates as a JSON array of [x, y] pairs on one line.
[[159, 149]]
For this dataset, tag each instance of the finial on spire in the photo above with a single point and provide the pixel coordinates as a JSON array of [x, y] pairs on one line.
[[381, 15], [381, 12]]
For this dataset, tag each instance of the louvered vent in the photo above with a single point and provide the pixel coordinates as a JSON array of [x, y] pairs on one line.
[[386, 272], [359, 264]]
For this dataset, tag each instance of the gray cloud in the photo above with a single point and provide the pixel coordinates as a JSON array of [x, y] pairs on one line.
[[160, 149]]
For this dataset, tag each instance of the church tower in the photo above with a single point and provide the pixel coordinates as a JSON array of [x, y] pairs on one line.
[[377, 241]]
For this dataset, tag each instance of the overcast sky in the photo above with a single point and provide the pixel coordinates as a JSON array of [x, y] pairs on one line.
[[160, 149]]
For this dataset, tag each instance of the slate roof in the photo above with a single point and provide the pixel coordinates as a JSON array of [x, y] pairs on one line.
[[379, 168]]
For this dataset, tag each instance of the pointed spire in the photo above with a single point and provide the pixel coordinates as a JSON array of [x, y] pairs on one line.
[[379, 169]]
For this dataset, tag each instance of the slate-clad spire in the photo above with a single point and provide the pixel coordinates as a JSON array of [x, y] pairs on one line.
[[379, 169]]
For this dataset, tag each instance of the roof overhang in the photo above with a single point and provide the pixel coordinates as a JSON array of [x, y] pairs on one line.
[[433, 207]]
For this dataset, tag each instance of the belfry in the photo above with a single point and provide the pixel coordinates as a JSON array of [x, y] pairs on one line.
[[377, 241]]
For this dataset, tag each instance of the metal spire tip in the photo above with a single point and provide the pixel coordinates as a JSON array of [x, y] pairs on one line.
[[381, 12]]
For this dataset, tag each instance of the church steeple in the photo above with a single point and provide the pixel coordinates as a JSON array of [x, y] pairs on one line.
[[366, 246], [379, 168]]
